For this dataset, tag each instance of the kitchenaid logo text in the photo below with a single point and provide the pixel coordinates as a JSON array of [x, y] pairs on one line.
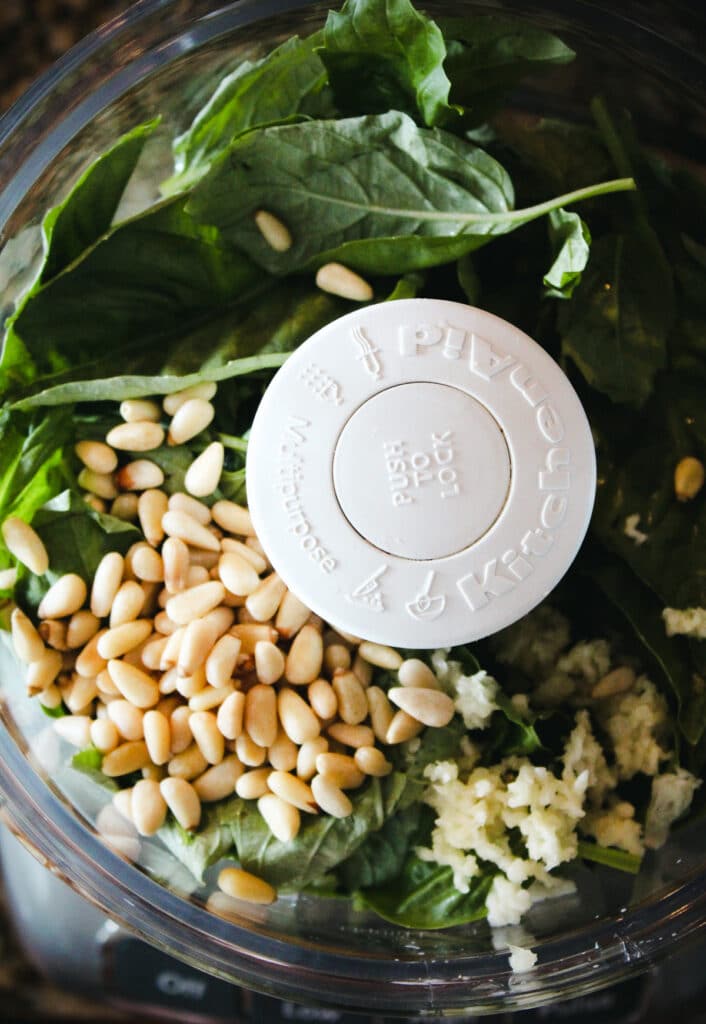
[[290, 479], [407, 470], [501, 575]]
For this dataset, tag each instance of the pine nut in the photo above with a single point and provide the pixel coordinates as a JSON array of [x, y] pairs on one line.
[[208, 738], [122, 802], [292, 615], [618, 681], [128, 720], [172, 403], [275, 233], [175, 559], [336, 656], [351, 735], [157, 736], [306, 757], [148, 806], [63, 598], [249, 752], [170, 654], [261, 714], [237, 574], [106, 686], [8, 578], [269, 662], [282, 818], [253, 784], [219, 782], [263, 602], [168, 705], [186, 528], [403, 727], [197, 575], [363, 670], [352, 702], [140, 436], [128, 604], [147, 564], [298, 720], [189, 764], [293, 791], [124, 760], [688, 478], [26, 546], [221, 662], [181, 502], [380, 655], [89, 662], [80, 694], [50, 698], [139, 475], [41, 674], [372, 761], [323, 698], [210, 697], [196, 645], [179, 726], [134, 684], [75, 729], [189, 686], [115, 642], [381, 712], [305, 656], [283, 753], [254, 544], [195, 602], [414, 672], [258, 563], [241, 885], [340, 769], [125, 507], [233, 518], [97, 456], [104, 735], [430, 707], [96, 503], [190, 419], [182, 800], [339, 280], [136, 410], [106, 583], [230, 715], [330, 797], [81, 628], [151, 508], [252, 633], [164, 625], [25, 638], [103, 486], [204, 473], [53, 633]]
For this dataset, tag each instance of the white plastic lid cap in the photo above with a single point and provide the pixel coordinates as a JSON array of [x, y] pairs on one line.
[[421, 473]]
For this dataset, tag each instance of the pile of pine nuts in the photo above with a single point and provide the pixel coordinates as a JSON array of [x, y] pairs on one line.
[[189, 661]]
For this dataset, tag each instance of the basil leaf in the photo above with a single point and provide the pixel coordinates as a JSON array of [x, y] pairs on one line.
[[383, 853], [376, 192], [87, 213], [423, 896], [322, 843], [201, 848], [669, 656], [76, 538], [434, 745], [386, 55], [571, 244], [89, 762], [489, 55], [126, 297], [288, 81], [616, 325], [611, 858], [33, 463]]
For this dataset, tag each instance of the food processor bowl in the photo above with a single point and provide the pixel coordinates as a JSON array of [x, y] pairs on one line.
[[161, 57]]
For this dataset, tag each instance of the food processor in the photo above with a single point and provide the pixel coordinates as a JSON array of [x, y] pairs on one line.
[[161, 57]]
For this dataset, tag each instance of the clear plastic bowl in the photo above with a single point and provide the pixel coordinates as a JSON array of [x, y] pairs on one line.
[[159, 57]]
